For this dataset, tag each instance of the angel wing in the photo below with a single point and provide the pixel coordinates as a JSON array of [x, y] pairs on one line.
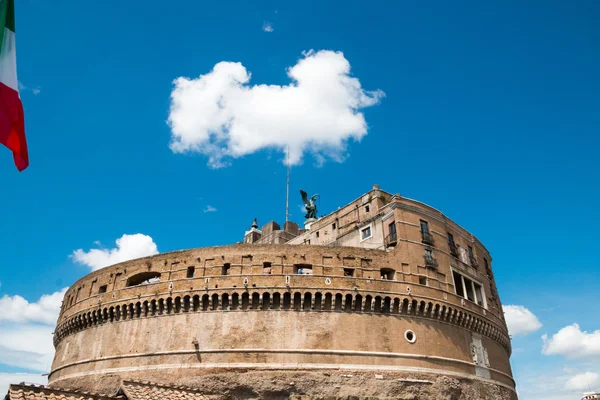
[[304, 197]]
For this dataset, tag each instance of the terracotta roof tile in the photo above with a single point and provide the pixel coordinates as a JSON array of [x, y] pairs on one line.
[[33, 392], [136, 390]]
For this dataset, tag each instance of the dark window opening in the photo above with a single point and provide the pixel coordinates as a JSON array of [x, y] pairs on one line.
[[190, 272], [303, 269], [392, 229], [367, 208], [387, 274], [458, 287], [348, 271], [471, 252], [267, 268], [333, 226], [143, 278], [317, 234], [365, 233], [424, 227], [422, 280], [102, 289], [226, 269]]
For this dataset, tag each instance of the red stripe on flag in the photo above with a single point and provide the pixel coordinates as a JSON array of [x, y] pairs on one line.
[[12, 126]]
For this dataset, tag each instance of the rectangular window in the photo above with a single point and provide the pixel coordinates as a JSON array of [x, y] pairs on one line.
[[424, 227], [317, 234], [102, 289], [267, 268], [428, 253], [458, 287], [303, 269], [469, 289], [471, 252], [422, 280], [451, 240], [387, 274], [348, 271], [333, 226], [190, 272], [365, 233], [367, 208], [226, 270], [392, 227]]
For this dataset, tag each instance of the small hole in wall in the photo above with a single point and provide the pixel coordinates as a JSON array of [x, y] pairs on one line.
[[216, 286], [410, 336]]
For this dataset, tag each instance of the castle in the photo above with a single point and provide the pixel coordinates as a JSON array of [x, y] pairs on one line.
[[384, 298]]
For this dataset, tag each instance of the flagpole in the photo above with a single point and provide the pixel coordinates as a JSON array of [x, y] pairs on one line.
[[287, 187]]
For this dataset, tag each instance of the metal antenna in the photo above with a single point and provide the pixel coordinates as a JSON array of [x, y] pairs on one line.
[[287, 187]]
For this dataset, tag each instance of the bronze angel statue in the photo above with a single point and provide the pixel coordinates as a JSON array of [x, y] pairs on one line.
[[310, 205]]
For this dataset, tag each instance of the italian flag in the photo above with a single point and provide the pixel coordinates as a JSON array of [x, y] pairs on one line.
[[12, 123]]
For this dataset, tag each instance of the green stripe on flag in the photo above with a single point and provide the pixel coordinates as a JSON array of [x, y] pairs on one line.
[[7, 18]]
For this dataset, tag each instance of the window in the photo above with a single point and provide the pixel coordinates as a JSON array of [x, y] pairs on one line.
[[469, 289], [392, 229], [143, 278], [452, 245], [367, 208], [333, 226], [428, 253], [303, 269], [267, 268], [387, 274], [451, 240], [226, 270], [422, 280], [458, 287], [102, 289], [471, 255], [425, 235], [317, 234], [472, 258], [190, 272], [348, 271], [365, 233]]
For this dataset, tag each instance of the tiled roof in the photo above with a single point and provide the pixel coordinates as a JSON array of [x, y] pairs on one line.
[[136, 390], [32, 392]]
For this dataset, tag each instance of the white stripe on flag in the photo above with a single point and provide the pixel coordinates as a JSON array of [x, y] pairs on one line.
[[8, 60]]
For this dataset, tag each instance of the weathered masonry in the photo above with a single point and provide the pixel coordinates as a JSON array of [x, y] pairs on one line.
[[386, 285]]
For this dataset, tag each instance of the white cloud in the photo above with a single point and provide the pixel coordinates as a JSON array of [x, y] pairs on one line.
[[26, 331], [520, 320], [209, 208], [6, 378], [572, 342], [27, 346], [267, 27], [45, 310], [128, 247], [221, 116], [583, 382]]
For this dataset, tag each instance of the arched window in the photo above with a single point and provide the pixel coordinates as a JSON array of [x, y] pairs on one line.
[[328, 301], [225, 301], [143, 278], [255, 301], [235, 301], [276, 301], [245, 300], [348, 305], [358, 303], [338, 302], [215, 302], [318, 301], [205, 302], [307, 301], [286, 300], [266, 301], [297, 301]]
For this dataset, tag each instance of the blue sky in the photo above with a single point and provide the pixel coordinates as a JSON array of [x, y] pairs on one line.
[[491, 114]]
